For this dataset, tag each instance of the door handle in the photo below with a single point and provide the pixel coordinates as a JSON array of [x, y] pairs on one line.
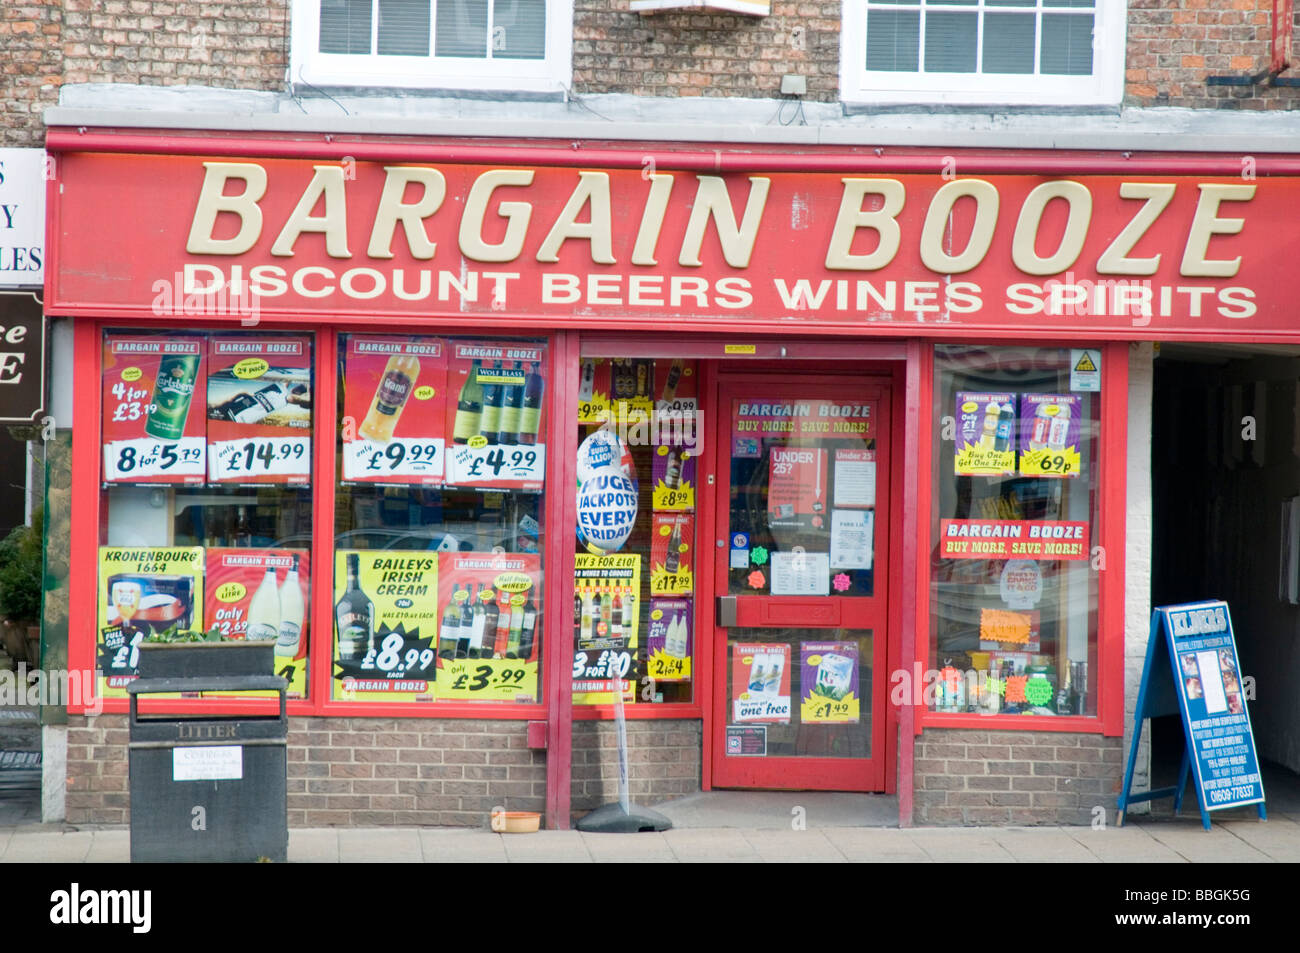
[[727, 611]]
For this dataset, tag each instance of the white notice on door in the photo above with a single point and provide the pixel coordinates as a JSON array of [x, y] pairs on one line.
[[855, 478], [801, 574], [217, 763], [851, 538]]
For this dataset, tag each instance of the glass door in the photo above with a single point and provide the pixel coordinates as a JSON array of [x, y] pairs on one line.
[[802, 531]]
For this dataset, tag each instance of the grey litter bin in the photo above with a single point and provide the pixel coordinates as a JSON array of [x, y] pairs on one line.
[[208, 788]]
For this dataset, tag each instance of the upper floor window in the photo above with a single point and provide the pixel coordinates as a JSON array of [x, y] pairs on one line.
[[523, 45], [974, 52]]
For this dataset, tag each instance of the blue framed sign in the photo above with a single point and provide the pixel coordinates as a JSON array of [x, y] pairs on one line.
[[1192, 667]]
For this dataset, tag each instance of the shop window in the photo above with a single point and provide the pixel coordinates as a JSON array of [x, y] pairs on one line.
[[1016, 558], [1012, 52], [450, 44], [634, 616]]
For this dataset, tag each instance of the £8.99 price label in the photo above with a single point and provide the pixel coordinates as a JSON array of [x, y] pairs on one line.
[[517, 465], [148, 457], [233, 460], [399, 457]]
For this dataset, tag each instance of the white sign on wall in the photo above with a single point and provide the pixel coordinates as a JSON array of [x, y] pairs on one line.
[[22, 218]]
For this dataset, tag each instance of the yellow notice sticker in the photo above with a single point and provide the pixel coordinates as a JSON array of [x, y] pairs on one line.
[[740, 349]]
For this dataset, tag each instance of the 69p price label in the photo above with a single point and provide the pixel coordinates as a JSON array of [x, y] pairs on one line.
[[497, 465], [236, 460], [411, 458], [150, 459]]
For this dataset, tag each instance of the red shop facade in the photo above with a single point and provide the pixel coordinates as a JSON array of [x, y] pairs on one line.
[[849, 433]]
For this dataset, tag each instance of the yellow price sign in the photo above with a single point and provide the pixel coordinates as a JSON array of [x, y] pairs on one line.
[[1050, 463], [818, 709], [487, 680], [666, 668], [664, 583]]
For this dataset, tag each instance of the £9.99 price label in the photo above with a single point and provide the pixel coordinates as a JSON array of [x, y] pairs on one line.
[[487, 679], [235, 460], [397, 460], [149, 457], [514, 465]]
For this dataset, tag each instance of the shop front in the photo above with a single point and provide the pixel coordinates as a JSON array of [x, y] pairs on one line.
[[818, 459]]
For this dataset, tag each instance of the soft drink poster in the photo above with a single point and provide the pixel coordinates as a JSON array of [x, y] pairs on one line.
[[496, 392], [760, 682], [1049, 435], [259, 398], [672, 471], [828, 683], [395, 410], [986, 434], [262, 595], [153, 427], [672, 554], [668, 640], [385, 625]]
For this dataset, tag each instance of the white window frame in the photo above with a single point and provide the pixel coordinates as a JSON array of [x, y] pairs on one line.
[[552, 74], [1104, 87]]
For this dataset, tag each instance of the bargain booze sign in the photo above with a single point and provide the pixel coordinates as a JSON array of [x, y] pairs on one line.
[[298, 239]]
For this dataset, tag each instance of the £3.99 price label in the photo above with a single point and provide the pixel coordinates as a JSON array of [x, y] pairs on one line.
[[487, 680], [127, 460], [283, 456], [399, 457], [497, 465]]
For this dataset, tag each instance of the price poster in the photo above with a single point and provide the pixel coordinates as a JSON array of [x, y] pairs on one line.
[[672, 554], [142, 592], [593, 391], [631, 389], [986, 429], [385, 624], [796, 489], [1049, 435], [153, 429], [668, 640], [395, 410], [495, 394], [606, 617], [259, 398], [489, 631], [676, 391], [262, 594], [760, 682], [672, 474], [828, 676]]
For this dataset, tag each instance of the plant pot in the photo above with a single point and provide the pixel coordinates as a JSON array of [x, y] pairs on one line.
[[205, 659]]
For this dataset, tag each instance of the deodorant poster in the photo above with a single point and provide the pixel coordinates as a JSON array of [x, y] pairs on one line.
[[495, 395], [153, 427], [1049, 435], [668, 641], [259, 396], [385, 624], [262, 595], [394, 410], [606, 617], [142, 592], [986, 434], [760, 682], [828, 679]]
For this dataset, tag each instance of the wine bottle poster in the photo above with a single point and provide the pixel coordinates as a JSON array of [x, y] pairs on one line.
[[606, 622], [672, 475], [760, 682], [395, 410], [828, 680], [143, 592], [986, 434], [672, 554], [259, 398], [153, 427], [490, 626], [676, 389], [262, 594], [668, 640], [1049, 435], [593, 390], [385, 625], [495, 398]]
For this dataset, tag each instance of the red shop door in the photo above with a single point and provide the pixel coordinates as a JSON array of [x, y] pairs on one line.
[[801, 580]]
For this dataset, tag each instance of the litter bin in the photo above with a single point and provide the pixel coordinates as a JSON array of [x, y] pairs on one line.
[[208, 788]]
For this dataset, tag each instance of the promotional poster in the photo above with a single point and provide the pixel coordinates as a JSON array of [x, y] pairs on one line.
[[607, 498], [259, 398], [828, 676], [1013, 539], [760, 682], [1049, 435], [606, 619], [672, 554], [495, 394], [986, 434], [796, 489], [153, 428], [669, 640], [672, 474], [394, 409], [593, 391], [753, 420]]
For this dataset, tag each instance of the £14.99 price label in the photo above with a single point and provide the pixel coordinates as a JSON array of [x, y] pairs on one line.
[[516, 465], [487, 679], [235, 460], [148, 458], [396, 461]]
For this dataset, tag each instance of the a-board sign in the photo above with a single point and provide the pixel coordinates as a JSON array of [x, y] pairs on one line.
[[1192, 667]]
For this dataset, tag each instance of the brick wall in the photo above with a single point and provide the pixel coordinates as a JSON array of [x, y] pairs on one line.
[[31, 67], [1014, 777], [663, 762]]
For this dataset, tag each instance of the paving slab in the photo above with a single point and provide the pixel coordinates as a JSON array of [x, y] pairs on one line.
[[710, 845], [1044, 846], [1200, 846], [960, 845], [52, 847], [543, 846], [1125, 845], [1279, 838], [865, 845], [314, 845], [109, 847], [462, 847], [389, 845], [779, 847], [648, 847], [780, 810]]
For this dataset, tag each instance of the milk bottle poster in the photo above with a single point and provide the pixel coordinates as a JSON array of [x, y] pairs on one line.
[[986, 434], [760, 682], [1049, 435], [828, 680]]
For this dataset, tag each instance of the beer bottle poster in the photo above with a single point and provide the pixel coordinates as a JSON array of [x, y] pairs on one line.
[[986, 434], [143, 591], [668, 640], [394, 410], [672, 554], [828, 680], [262, 595], [385, 624], [1049, 435], [153, 428], [259, 397], [631, 389], [606, 620], [760, 682], [495, 395], [672, 475], [490, 626]]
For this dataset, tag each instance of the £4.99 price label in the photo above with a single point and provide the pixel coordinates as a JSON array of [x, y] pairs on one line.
[[234, 460], [487, 679], [502, 465], [399, 457], [128, 460]]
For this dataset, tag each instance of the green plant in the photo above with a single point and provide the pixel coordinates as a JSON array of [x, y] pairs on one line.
[[176, 634], [21, 571]]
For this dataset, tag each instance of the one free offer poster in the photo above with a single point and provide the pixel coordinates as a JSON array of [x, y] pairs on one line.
[[760, 682], [153, 428], [495, 394], [259, 398], [394, 409]]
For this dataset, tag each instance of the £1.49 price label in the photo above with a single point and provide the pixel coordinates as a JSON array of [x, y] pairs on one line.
[[236, 460], [148, 458], [518, 465], [399, 460], [487, 680]]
